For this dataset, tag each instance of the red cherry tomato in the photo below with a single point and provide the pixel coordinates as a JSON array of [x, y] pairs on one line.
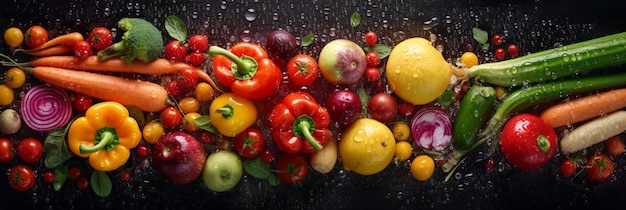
[[125, 175], [599, 167], [383, 107], [198, 43], [82, 49], [371, 38], [6, 150], [175, 88], [36, 36], [372, 59], [143, 151], [302, 69], [372, 74], [171, 117], [195, 58], [527, 142], [490, 164], [189, 78], [82, 183], [206, 137], [21, 178], [513, 50], [100, 38], [614, 146], [568, 168], [48, 176], [30, 150], [74, 172], [406, 109], [81, 102], [249, 143], [500, 54], [268, 156], [292, 168], [174, 51], [496, 39]]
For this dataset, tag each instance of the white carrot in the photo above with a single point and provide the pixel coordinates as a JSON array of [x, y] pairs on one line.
[[594, 131]]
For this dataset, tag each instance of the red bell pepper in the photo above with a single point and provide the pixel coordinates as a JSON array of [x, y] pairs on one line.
[[247, 70], [299, 124]]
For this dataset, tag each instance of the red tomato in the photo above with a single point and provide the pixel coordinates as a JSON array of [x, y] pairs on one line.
[[249, 143], [599, 167], [568, 168], [175, 88], [268, 156], [6, 150], [383, 107], [206, 137], [124, 175], [171, 117], [195, 58], [371, 38], [302, 69], [497, 39], [500, 54], [49, 176], [198, 43], [174, 51], [21, 178], [406, 109], [36, 36], [74, 172], [189, 78], [527, 142], [513, 50], [81, 102], [614, 145], [30, 150], [490, 164], [292, 168], [82, 49], [372, 59], [372, 74], [100, 38], [143, 151], [82, 183]]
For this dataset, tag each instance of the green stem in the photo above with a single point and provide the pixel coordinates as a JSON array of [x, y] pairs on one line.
[[244, 65], [226, 111], [106, 138], [302, 128]]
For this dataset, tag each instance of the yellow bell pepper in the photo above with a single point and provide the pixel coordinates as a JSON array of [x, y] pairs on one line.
[[105, 135], [231, 114]]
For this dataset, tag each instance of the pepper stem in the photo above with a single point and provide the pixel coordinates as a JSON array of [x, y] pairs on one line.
[[226, 111], [243, 67], [106, 138], [543, 143], [302, 128]]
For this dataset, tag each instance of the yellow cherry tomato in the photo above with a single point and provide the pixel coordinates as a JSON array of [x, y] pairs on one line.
[[422, 167], [6, 95], [189, 104], [204, 91], [152, 132], [403, 150], [469, 59], [13, 37], [15, 77], [189, 123], [401, 131]]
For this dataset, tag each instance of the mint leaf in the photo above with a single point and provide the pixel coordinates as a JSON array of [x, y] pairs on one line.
[[176, 28], [57, 151], [355, 19], [100, 183], [382, 50], [308, 39], [480, 35]]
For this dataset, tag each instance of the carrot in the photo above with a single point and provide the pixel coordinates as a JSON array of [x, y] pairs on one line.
[[146, 96], [584, 108], [594, 131], [54, 50], [69, 39]]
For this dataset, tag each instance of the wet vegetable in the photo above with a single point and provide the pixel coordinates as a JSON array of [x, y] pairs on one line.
[[474, 111], [46, 107], [431, 129]]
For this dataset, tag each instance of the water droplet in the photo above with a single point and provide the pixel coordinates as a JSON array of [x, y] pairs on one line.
[[107, 11], [250, 15], [246, 35], [360, 135], [223, 5]]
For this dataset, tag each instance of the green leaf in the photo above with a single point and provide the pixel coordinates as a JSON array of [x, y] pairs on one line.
[[481, 36], [256, 168], [60, 175], [101, 183], [137, 114], [381, 49], [57, 151], [273, 180], [204, 123], [176, 28], [355, 19], [446, 98], [364, 98], [308, 40]]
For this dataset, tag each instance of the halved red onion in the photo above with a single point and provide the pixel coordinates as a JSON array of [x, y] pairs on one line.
[[46, 107], [431, 129]]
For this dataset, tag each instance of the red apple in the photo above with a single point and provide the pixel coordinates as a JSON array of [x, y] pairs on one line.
[[179, 157]]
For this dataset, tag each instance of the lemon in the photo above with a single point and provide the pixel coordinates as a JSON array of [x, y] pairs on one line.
[[366, 147], [417, 72]]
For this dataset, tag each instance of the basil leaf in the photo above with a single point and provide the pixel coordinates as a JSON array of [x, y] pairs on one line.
[[381, 49], [355, 19], [204, 123], [100, 183], [308, 40], [137, 114], [57, 151], [60, 175], [273, 180], [257, 168], [176, 28], [480, 35]]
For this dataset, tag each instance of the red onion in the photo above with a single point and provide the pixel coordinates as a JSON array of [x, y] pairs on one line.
[[431, 129], [45, 108]]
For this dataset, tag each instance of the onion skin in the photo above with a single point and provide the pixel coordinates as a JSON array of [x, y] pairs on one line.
[[46, 107], [10, 121], [342, 62], [431, 129]]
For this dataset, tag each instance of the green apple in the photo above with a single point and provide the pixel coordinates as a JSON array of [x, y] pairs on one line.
[[222, 170], [342, 61]]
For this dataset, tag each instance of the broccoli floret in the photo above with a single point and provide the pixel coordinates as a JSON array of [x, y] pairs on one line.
[[141, 40]]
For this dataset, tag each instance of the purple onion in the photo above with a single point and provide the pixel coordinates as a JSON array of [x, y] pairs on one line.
[[431, 129], [46, 107]]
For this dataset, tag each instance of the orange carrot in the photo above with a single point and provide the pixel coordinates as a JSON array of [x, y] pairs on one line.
[[67, 39], [146, 96], [50, 51], [158, 66], [584, 108]]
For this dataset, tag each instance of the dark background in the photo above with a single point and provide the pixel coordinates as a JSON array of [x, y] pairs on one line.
[[532, 25]]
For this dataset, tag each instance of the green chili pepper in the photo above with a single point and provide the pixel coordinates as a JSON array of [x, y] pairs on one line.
[[474, 111]]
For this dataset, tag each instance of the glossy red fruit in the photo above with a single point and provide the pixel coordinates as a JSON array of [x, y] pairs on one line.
[[48, 176], [512, 50], [599, 167], [500, 54], [30, 150], [82, 49], [21, 178], [527, 142], [6, 150], [100, 38], [372, 74], [371, 38], [496, 39], [198, 43], [568, 168], [175, 51], [372, 59]]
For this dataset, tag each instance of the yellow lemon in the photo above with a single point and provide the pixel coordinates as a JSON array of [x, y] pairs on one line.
[[417, 72], [366, 147]]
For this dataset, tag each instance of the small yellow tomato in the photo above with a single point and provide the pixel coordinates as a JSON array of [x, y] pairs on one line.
[[152, 132], [6, 95], [13, 37], [469, 59], [403, 150], [401, 131], [15, 77], [204, 92], [189, 104], [189, 123], [422, 167]]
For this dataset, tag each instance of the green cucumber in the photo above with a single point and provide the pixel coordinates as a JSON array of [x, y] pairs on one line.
[[574, 59], [474, 111]]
